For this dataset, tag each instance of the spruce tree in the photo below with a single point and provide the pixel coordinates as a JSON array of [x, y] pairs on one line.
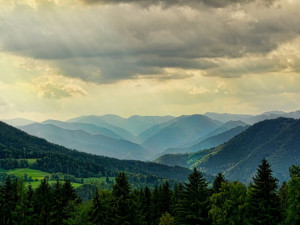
[[178, 205], [42, 203], [196, 200], [147, 204], [10, 198], [96, 213], [263, 202], [123, 211], [165, 198], [218, 183], [155, 213]]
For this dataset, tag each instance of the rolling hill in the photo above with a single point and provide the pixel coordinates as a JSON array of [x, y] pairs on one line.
[[177, 132], [83, 141], [276, 140], [90, 128], [135, 124], [210, 142], [16, 144], [96, 120]]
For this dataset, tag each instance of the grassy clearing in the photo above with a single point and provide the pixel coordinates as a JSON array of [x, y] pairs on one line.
[[35, 174], [38, 175], [35, 184], [30, 161]]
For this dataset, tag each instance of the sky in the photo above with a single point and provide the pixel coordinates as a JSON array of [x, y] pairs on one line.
[[62, 59]]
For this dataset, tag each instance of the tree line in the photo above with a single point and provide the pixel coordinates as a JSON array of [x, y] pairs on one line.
[[194, 202]]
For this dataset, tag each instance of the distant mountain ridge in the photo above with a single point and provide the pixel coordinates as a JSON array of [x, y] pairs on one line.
[[252, 119], [210, 142], [177, 132], [16, 144], [85, 142], [96, 120], [277, 140], [90, 128]]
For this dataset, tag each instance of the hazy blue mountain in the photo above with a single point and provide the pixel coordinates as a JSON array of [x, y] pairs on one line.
[[276, 140], [90, 128], [295, 115], [226, 117], [277, 112], [83, 141], [262, 117], [15, 144], [210, 142], [227, 126], [18, 122], [96, 120], [177, 132], [135, 124], [141, 123], [252, 119]]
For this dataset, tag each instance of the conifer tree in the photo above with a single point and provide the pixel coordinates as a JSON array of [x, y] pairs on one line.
[[178, 205], [28, 204], [42, 203], [10, 199], [97, 209], [123, 211], [164, 198], [263, 202], [155, 213], [283, 192], [147, 204], [218, 183], [196, 200]]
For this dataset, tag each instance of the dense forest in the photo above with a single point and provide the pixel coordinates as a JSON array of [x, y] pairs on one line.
[[263, 202]]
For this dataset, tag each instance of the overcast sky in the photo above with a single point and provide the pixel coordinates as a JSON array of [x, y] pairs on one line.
[[60, 59]]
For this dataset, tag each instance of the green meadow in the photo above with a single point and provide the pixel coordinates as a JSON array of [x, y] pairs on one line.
[[38, 175]]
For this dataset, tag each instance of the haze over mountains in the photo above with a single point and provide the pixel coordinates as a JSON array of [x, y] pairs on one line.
[[144, 137], [208, 140], [16, 144], [85, 142]]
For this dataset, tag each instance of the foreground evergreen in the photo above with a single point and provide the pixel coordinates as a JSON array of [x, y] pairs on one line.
[[190, 203]]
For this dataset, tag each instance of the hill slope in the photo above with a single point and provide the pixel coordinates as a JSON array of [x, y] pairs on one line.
[[276, 140], [208, 142], [83, 141], [135, 124], [98, 121], [90, 128], [177, 132], [16, 144]]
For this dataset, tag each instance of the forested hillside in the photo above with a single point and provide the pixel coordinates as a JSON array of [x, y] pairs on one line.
[[276, 140], [16, 147]]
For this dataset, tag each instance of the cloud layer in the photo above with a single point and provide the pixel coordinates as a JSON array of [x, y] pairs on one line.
[[169, 3], [118, 42], [68, 58]]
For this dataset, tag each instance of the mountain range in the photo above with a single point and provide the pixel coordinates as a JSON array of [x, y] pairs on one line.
[[16, 145], [145, 137], [86, 142]]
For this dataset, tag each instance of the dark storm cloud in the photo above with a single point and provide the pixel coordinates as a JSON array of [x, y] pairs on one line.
[[112, 43], [169, 3]]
